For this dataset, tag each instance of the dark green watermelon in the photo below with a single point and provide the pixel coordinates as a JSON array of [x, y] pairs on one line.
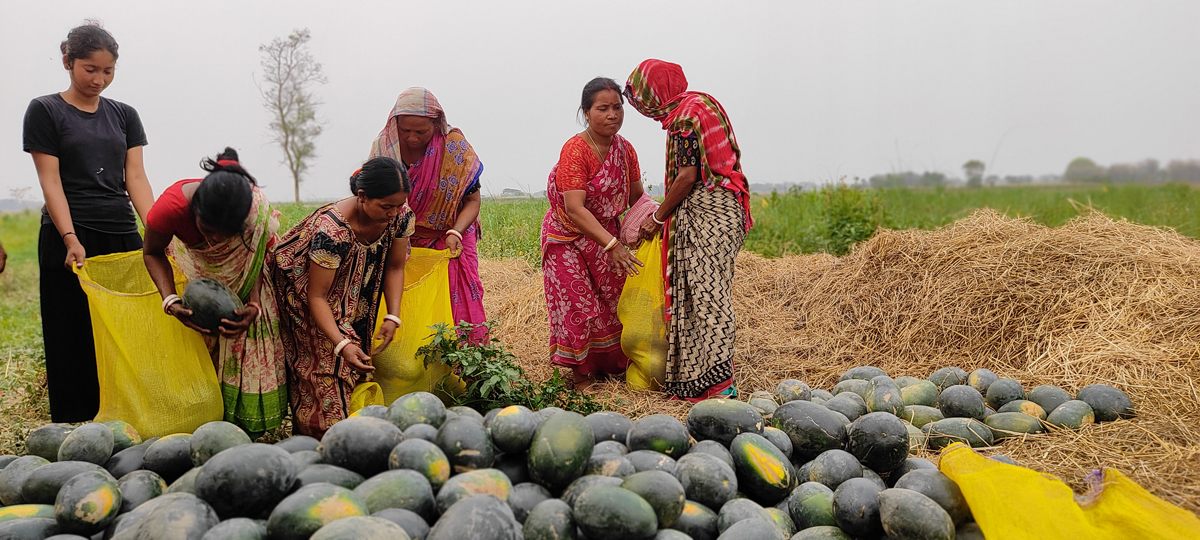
[[1106, 402], [6, 459], [246, 480], [417, 408], [422, 431], [512, 428], [662, 491], [765, 407], [722, 419], [969, 531], [981, 379], [124, 435], [911, 464], [649, 460], [833, 467], [138, 487], [610, 447], [238, 529], [583, 483], [42, 484], [609, 465], [1074, 414], [962, 401], [811, 505], [361, 444], [847, 406], [941, 489], [922, 393], [547, 412], [213, 437], [413, 524], [463, 410], [919, 415], [1024, 406], [514, 466], [13, 476], [970, 431], [1013, 424], [524, 497], [660, 433], [297, 443], [862, 372], [88, 502], [185, 517], [738, 510], [210, 301], [398, 489], [823, 532], [610, 426], [31, 528], [706, 479], [697, 521], [906, 380], [764, 472], [560, 450], [44, 441], [812, 428], [714, 449], [185, 483], [1048, 397], [908, 514], [819, 393], [549, 520], [478, 482], [424, 457], [304, 458], [752, 529], [948, 376], [360, 528], [792, 390], [329, 474], [1003, 391], [1004, 459], [304, 512], [858, 386], [466, 443], [614, 512], [374, 411], [856, 508], [169, 456], [127, 522], [92, 443], [779, 439], [478, 517]]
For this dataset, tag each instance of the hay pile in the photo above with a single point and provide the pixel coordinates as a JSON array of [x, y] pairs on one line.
[[1092, 301]]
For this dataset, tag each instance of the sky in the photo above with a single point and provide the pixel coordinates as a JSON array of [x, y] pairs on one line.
[[815, 90]]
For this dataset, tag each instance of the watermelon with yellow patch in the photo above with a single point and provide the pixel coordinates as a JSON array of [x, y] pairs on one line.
[[304, 512], [884, 396], [424, 457], [124, 435], [1013, 424], [763, 471], [87, 503], [402, 488], [9, 513], [1024, 406], [922, 393], [1073, 414], [697, 520], [477, 482], [512, 428]]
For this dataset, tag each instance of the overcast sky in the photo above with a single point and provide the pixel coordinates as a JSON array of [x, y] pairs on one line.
[[815, 90]]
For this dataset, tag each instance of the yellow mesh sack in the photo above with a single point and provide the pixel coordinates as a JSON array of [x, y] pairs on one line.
[[154, 372], [426, 302], [644, 327], [1011, 503], [364, 394]]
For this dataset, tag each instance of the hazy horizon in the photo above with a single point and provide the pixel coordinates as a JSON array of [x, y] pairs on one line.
[[815, 90]]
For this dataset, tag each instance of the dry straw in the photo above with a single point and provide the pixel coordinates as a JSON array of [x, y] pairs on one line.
[[1093, 301]]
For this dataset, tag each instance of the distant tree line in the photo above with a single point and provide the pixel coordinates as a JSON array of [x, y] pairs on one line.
[[1143, 172]]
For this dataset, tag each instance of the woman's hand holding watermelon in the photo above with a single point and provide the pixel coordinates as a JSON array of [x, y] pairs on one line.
[[185, 316], [247, 315]]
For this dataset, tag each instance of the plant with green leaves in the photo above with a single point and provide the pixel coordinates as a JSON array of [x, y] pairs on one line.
[[490, 374], [851, 215]]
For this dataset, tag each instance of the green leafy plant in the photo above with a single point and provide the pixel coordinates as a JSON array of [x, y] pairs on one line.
[[490, 374], [851, 215]]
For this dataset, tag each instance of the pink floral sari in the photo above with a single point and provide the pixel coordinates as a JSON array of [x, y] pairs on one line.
[[582, 288]]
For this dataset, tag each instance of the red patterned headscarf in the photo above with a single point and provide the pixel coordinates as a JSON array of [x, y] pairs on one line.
[[658, 90]]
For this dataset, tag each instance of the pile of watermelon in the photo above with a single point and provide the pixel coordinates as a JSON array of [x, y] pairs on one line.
[[795, 463]]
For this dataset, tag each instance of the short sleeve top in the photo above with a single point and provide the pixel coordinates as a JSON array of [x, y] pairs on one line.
[[172, 214], [91, 149], [687, 150], [333, 239], [578, 164]]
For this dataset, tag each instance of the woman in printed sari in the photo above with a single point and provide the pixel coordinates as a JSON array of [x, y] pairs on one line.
[[224, 229], [704, 219], [583, 263], [444, 171], [330, 271]]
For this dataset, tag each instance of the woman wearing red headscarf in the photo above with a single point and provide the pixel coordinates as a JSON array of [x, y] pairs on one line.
[[704, 219]]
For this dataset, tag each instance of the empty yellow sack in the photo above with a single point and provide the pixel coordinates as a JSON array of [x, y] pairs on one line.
[[643, 320], [155, 373], [1011, 503], [367, 393], [426, 302]]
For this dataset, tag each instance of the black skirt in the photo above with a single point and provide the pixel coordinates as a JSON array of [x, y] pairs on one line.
[[67, 324]]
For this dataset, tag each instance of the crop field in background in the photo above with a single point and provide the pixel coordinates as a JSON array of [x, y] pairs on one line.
[[786, 224]]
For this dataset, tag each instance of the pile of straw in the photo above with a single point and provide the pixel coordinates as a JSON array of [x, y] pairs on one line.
[[1093, 301]]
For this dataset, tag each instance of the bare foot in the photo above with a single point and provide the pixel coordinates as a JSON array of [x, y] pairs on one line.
[[582, 382]]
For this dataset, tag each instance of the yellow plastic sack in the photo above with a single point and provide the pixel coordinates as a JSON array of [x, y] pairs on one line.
[[426, 302], [641, 310], [367, 393], [154, 372], [1012, 503]]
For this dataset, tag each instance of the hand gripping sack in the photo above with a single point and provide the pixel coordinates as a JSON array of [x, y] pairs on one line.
[[1011, 503], [426, 302], [643, 320], [155, 373]]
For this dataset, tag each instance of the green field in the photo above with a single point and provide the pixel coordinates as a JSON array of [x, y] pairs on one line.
[[790, 223]]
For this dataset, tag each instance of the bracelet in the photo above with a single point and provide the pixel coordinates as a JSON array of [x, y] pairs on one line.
[[257, 310], [455, 233], [393, 318], [170, 300], [64, 235], [611, 244], [337, 349], [655, 218]]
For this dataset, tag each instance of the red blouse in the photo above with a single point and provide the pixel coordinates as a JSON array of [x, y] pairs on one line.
[[172, 214], [578, 164]]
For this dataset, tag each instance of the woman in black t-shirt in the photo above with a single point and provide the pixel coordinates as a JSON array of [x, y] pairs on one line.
[[88, 154]]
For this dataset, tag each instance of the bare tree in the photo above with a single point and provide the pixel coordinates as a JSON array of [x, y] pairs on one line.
[[289, 73]]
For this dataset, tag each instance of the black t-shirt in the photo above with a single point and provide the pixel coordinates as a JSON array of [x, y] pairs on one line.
[[90, 148]]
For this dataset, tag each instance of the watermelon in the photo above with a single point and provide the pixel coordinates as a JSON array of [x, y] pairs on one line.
[[665, 434], [1003, 391], [479, 517], [941, 489], [298, 443], [856, 508], [560, 450], [329, 474], [583, 483], [1073, 414], [128, 520], [42, 484], [478, 482], [906, 381], [879, 440], [911, 464], [304, 458], [138, 487], [609, 465], [421, 431], [922, 393], [851, 408], [466, 443], [90, 442], [88, 502], [423, 457], [782, 521], [875, 478], [833, 467], [13, 476], [463, 410], [765, 407], [1023, 406], [304, 512], [697, 521], [1013, 424], [819, 393], [764, 472], [398, 489], [487, 418], [361, 528], [942, 433], [649, 460], [6, 459], [969, 531], [714, 449], [44, 441], [124, 435], [211, 438], [737, 510], [29, 528], [980, 379], [661, 491], [185, 483], [671, 534], [183, 516], [414, 525], [512, 428], [614, 512], [811, 505], [1048, 397], [862, 372], [246, 480], [947, 376], [841, 418], [823, 532], [551, 519], [210, 301], [919, 415], [237, 529], [20, 511], [609, 426], [169, 456], [752, 529], [524, 497], [1004, 459], [706, 479], [916, 438], [361, 444], [610, 447], [722, 419], [792, 390], [1106, 402], [514, 466], [858, 386], [812, 428], [779, 439], [417, 408], [908, 514], [962, 401], [374, 411]]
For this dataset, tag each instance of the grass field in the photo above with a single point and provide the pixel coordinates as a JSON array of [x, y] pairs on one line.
[[790, 223]]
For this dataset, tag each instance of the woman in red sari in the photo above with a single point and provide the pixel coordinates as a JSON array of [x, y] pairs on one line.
[[583, 263]]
